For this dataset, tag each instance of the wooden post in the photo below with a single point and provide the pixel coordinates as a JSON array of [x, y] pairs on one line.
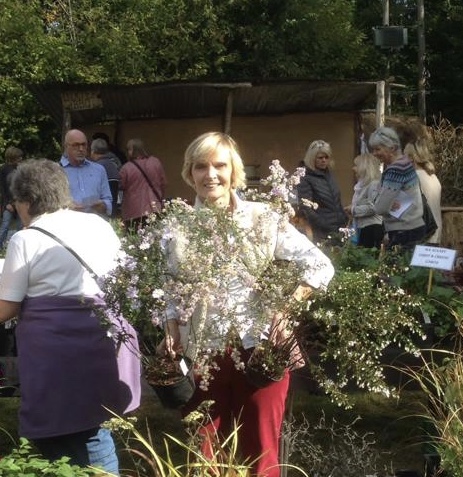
[[431, 273], [228, 112], [380, 103], [66, 124]]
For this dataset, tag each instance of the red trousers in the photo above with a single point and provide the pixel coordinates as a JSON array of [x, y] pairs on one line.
[[260, 412]]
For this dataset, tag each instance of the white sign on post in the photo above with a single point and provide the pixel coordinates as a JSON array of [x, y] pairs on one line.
[[433, 257]]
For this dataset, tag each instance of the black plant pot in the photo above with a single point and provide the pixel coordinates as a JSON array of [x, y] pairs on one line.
[[259, 379], [173, 388], [177, 393]]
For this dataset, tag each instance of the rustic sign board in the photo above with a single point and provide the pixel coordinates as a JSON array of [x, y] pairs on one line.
[[81, 100]]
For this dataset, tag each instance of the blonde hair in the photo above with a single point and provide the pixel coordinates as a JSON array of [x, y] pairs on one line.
[[419, 154], [206, 146], [368, 167], [312, 151]]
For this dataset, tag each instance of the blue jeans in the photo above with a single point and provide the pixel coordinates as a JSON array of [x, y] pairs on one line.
[[93, 447], [7, 218]]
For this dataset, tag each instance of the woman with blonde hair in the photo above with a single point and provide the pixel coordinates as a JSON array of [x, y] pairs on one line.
[[214, 168], [319, 186], [419, 154], [368, 223]]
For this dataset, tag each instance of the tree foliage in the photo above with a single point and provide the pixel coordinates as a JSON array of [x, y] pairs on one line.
[[130, 42]]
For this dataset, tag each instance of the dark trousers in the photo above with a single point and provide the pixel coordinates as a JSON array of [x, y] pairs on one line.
[[371, 236], [406, 239], [7, 341]]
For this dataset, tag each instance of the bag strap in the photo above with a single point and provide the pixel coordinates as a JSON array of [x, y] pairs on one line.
[[156, 193], [69, 249]]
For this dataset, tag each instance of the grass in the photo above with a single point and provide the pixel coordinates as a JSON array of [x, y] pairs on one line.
[[394, 424]]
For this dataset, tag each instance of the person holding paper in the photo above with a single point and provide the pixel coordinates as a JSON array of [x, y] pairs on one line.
[[399, 197], [367, 222]]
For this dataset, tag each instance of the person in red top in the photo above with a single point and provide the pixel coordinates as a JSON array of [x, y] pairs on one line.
[[143, 182]]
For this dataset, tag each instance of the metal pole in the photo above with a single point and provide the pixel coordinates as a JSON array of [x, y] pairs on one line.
[[385, 12], [388, 59], [421, 65]]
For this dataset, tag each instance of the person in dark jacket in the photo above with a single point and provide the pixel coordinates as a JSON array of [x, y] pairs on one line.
[[13, 157], [100, 153], [319, 186]]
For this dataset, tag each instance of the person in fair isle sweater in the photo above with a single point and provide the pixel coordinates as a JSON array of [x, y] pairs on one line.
[[399, 198]]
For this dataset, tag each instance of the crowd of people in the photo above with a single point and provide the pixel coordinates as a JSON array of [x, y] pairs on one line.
[[52, 263]]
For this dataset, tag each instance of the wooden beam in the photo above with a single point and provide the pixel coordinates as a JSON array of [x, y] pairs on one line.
[[228, 113], [380, 103]]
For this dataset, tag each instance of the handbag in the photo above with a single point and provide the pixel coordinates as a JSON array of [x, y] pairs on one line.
[[155, 192], [428, 217]]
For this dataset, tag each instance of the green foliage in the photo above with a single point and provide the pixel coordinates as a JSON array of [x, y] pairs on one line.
[[22, 462], [126, 42], [440, 378], [224, 461], [439, 302], [375, 300], [360, 314]]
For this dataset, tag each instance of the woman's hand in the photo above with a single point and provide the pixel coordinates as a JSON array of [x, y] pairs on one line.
[[171, 343], [279, 329]]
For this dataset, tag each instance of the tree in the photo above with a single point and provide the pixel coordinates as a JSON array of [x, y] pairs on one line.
[[127, 42]]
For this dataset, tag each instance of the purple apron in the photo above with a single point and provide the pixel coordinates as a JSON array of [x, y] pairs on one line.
[[68, 368]]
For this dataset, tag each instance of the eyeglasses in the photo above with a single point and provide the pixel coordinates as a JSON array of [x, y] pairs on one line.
[[78, 145]]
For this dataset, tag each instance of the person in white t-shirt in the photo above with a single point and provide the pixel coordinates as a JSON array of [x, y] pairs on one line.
[[68, 367]]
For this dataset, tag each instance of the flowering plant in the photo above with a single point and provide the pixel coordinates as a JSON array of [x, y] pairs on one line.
[[182, 265], [360, 314], [279, 190]]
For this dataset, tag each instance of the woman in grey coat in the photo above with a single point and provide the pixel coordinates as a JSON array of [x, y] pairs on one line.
[[319, 186]]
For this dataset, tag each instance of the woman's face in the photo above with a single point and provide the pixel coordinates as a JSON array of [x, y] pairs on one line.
[[321, 161], [212, 178], [385, 154]]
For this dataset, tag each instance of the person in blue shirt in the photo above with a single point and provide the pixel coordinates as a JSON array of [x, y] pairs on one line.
[[88, 181]]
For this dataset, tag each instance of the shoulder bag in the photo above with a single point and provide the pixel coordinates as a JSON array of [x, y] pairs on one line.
[[155, 192], [428, 217], [69, 249]]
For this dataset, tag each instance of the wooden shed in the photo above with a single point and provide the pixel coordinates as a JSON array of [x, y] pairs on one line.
[[271, 120]]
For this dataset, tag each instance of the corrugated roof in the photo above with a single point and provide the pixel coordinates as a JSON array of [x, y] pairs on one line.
[[90, 104]]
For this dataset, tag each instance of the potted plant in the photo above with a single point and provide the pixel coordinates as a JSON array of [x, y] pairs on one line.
[[171, 378], [149, 281]]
